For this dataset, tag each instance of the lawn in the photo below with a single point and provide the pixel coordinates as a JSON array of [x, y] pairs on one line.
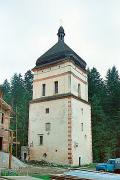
[[45, 177]]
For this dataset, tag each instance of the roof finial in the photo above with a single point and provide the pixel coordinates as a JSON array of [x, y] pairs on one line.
[[61, 22], [61, 34]]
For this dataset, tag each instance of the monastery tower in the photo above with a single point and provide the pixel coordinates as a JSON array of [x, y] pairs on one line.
[[60, 114]]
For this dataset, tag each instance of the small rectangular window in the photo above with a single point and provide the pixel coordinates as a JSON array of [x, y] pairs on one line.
[[2, 119], [43, 89], [56, 87], [79, 90], [47, 126], [41, 139], [47, 110], [81, 126]]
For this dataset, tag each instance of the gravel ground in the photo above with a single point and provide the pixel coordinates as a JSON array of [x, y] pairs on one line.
[[32, 170]]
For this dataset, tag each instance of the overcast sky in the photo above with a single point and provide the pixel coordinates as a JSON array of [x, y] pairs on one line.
[[28, 28]]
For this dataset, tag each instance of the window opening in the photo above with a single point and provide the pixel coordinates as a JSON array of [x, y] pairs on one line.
[[47, 126], [79, 90], [2, 119], [81, 126], [41, 139], [47, 110], [56, 87], [43, 89]]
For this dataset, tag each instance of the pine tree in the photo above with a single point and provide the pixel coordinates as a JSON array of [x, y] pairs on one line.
[[95, 82], [7, 91], [96, 91], [112, 108], [28, 80]]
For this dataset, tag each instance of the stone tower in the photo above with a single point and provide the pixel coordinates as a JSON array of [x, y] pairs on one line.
[[59, 114]]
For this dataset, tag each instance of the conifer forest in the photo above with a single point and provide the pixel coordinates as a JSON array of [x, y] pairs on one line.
[[104, 97]]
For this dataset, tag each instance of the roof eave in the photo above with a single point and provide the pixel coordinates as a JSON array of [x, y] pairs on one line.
[[36, 68]]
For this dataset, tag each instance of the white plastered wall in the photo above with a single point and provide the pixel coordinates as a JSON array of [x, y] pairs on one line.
[[60, 73], [81, 139], [54, 144], [48, 76]]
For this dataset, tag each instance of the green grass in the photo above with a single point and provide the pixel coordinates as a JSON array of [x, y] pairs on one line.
[[45, 177], [91, 166], [7, 172]]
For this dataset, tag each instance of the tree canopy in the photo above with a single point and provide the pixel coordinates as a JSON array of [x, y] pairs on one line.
[[18, 93], [105, 103]]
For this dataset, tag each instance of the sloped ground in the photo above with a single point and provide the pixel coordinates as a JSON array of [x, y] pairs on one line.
[[4, 161]]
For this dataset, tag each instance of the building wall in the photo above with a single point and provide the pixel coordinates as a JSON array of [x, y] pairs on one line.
[[81, 132], [48, 76], [55, 141], [4, 126], [68, 77], [83, 87], [65, 142]]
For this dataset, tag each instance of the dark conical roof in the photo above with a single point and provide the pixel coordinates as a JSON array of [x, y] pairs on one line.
[[60, 51], [60, 30]]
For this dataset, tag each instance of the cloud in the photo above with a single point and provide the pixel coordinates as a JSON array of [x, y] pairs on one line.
[[29, 28]]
